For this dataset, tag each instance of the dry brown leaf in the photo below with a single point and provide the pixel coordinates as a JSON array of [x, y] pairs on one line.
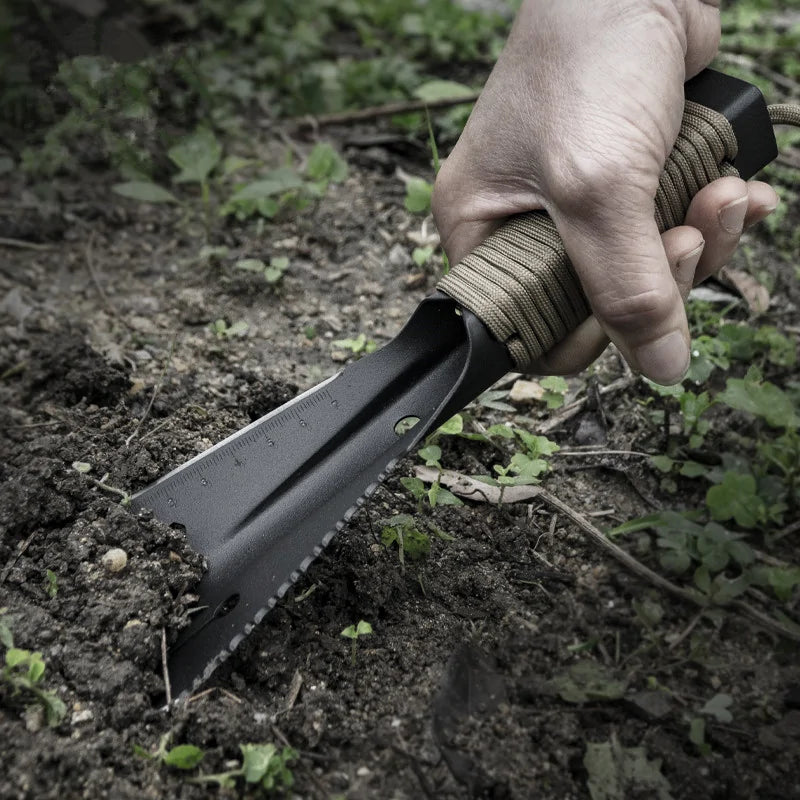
[[756, 296], [474, 489], [524, 391]]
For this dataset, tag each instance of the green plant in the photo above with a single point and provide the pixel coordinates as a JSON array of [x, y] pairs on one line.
[[221, 329], [51, 583], [84, 468], [262, 765], [272, 272], [404, 531], [354, 633], [286, 188], [418, 195], [23, 674], [182, 756], [360, 346], [555, 390]]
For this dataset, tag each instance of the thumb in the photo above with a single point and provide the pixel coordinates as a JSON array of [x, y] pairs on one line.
[[620, 260]]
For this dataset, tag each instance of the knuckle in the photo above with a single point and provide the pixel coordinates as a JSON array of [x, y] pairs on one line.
[[635, 310]]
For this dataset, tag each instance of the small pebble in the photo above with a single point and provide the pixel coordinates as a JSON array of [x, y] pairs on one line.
[[82, 716], [115, 559]]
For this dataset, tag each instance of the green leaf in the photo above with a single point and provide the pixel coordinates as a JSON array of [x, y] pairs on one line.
[[196, 155], [587, 680], [276, 182], [662, 463], [15, 657], [697, 735], [431, 454], [363, 628], [184, 756], [536, 445], [250, 264], [144, 192], [415, 486], [453, 426], [736, 498], [325, 164], [51, 583], [783, 580], [418, 196], [422, 255], [256, 760], [54, 707], [765, 400], [617, 773], [719, 708], [6, 637], [555, 388], [439, 496], [676, 561], [36, 668], [431, 91]]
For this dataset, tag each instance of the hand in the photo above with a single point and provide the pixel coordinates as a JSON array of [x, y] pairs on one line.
[[578, 118]]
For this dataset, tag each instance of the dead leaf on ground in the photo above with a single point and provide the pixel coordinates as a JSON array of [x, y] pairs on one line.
[[524, 391], [474, 489], [756, 296]]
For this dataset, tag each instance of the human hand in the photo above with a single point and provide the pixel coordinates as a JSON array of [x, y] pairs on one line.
[[578, 118]]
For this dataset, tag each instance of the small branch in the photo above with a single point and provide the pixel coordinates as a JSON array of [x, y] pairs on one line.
[[156, 389], [23, 245], [584, 453], [567, 412], [387, 110], [599, 538], [165, 667]]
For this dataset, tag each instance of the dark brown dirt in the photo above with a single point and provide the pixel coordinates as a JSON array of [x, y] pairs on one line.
[[117, 312]]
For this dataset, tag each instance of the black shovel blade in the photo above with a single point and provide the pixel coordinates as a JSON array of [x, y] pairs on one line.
[[262, 504]]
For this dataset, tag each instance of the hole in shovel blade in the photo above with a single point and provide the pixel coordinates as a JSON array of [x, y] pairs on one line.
[[403, 426], [225, 608]]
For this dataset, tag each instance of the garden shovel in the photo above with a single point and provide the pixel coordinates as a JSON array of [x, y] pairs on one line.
[[262, 504]]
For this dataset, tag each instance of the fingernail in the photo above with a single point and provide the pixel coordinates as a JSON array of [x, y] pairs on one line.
[[686, 266], [665, 360], [731, 216]]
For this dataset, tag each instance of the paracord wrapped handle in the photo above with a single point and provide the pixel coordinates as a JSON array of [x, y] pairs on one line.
[[520, 283]]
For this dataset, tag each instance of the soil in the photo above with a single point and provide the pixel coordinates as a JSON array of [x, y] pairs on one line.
[[107, 359]]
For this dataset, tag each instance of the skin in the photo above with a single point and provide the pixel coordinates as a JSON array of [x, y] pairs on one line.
[[578, 118]]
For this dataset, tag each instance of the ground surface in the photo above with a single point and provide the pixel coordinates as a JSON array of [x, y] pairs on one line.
[[452, 695]]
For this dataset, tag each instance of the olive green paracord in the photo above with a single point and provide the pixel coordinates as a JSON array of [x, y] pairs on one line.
[[520, 282]]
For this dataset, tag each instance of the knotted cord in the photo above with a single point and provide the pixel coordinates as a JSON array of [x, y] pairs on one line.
[[520, 282]]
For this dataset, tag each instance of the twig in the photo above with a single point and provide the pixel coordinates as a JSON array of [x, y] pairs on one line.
[[687, 630], [155, 391], [13, 560], [165, 667], [567, 412], [602, 453], [201, 695], [747, 62], [112, 309], [387, 110], [23, 245], [125, 498], [653, 577]]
